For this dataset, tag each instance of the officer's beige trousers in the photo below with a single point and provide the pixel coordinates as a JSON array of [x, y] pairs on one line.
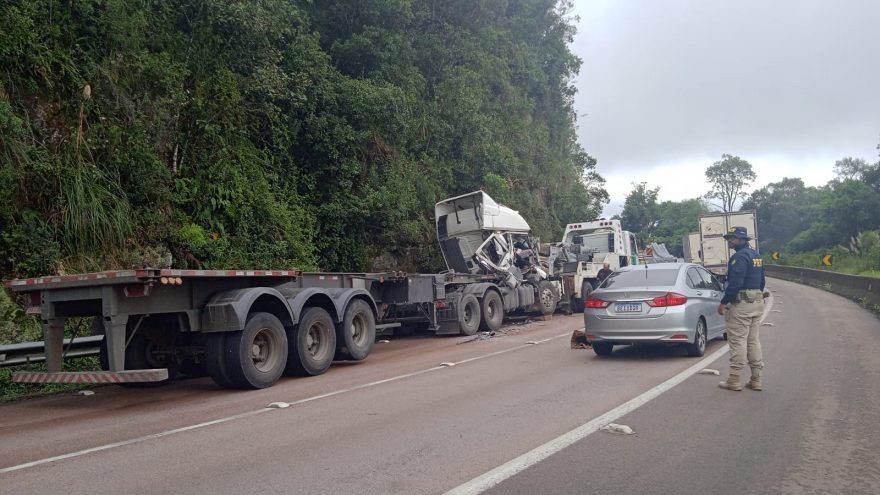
[[743, 322]]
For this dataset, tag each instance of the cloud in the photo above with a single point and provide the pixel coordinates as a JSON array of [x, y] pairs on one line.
[[667, 86]]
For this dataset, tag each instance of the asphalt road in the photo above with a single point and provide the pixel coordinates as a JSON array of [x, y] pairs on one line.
[[401, 422]]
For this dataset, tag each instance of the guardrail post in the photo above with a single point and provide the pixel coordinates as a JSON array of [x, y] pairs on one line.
[[53, 338], [114, 336]]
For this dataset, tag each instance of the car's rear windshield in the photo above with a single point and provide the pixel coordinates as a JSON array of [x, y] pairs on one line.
[[641, 278]]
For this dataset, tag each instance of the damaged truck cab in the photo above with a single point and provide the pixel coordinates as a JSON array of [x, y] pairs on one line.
[[493, 260]]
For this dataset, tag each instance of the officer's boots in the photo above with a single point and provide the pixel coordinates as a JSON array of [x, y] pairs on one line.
[[755, 382], [732, 383]]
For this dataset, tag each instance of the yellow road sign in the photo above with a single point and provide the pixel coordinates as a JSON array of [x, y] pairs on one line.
[[775, 255], [827, 260]]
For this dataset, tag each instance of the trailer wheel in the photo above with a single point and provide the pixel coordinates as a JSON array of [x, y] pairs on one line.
[[257, 355], [492, 311], [548, 297], [469, 314], [312, 344], [357, 334], [215, 359]]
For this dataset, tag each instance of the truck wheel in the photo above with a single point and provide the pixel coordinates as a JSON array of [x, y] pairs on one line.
[[548, 297], [492, 311], [312, 344], [469, 314], [357, 334], [586, 290], [215, 359], [257, 355]]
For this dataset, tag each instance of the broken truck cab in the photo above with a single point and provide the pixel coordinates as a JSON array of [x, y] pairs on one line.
[[480, 238]]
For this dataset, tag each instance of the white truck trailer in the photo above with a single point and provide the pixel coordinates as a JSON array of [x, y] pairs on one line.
[[691, 248], [713, 227]]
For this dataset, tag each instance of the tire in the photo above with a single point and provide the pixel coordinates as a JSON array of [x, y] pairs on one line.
[[698, 347], [311, 343], [469, 314], [491, 311], [602, 348], [724, 336], [215, 359], [548, 297], [139, 355], [257, 355], [357, 334], [577, 303]]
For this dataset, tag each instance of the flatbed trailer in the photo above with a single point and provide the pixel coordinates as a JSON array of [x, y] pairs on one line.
[[247, 328]]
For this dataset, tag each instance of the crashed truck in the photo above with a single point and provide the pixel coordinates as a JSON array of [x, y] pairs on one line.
[[493, 260], [585, 248], [247, 328]]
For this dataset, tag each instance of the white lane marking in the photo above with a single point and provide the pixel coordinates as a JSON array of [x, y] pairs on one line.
[[534, 456], [131, 441], [494, 477], [227, 419]]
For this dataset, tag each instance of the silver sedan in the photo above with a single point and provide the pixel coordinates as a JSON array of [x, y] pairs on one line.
[[664, 303]]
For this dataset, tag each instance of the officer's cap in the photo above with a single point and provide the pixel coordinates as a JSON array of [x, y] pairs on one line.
[[738, 232]]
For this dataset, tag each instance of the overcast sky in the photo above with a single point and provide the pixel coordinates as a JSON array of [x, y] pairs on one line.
[[667, 86]]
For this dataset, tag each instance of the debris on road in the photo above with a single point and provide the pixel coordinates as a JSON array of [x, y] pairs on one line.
[[767, 325], [447, 364], [533, 342], [85, 392], [777, 311], [278, 405], [617, 429], [384, 341], [479, 336], [579, 339], [707, 371]]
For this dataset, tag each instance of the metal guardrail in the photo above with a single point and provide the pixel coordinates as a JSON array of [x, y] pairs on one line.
[[863, 289], [34, 352]]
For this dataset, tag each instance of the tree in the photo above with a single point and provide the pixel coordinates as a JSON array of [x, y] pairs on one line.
[[851, 168], [676, 219], [729, 177], [640, 210], [784, 209]]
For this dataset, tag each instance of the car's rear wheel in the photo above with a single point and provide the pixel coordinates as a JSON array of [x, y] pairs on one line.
[[698, 347], [602, 348]]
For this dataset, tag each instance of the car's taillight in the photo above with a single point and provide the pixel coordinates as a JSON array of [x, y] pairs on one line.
[[596, 303], [670, 299]]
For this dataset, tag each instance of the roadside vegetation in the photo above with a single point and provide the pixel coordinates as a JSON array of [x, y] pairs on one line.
[[275, 133]]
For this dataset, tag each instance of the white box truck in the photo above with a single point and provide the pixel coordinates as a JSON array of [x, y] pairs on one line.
[[713, 227], [692, 252]]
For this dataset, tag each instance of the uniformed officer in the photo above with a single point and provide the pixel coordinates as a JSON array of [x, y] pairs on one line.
[[742, 307]]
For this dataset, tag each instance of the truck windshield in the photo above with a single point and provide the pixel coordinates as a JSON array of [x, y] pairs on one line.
[[641, 278]]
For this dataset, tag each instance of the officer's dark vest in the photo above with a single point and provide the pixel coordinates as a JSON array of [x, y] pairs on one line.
[[755, 267]]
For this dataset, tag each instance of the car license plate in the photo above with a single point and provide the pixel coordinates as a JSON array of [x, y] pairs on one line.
[[628, 308]]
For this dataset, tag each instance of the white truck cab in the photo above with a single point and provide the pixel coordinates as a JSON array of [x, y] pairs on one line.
[[585, 247]]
